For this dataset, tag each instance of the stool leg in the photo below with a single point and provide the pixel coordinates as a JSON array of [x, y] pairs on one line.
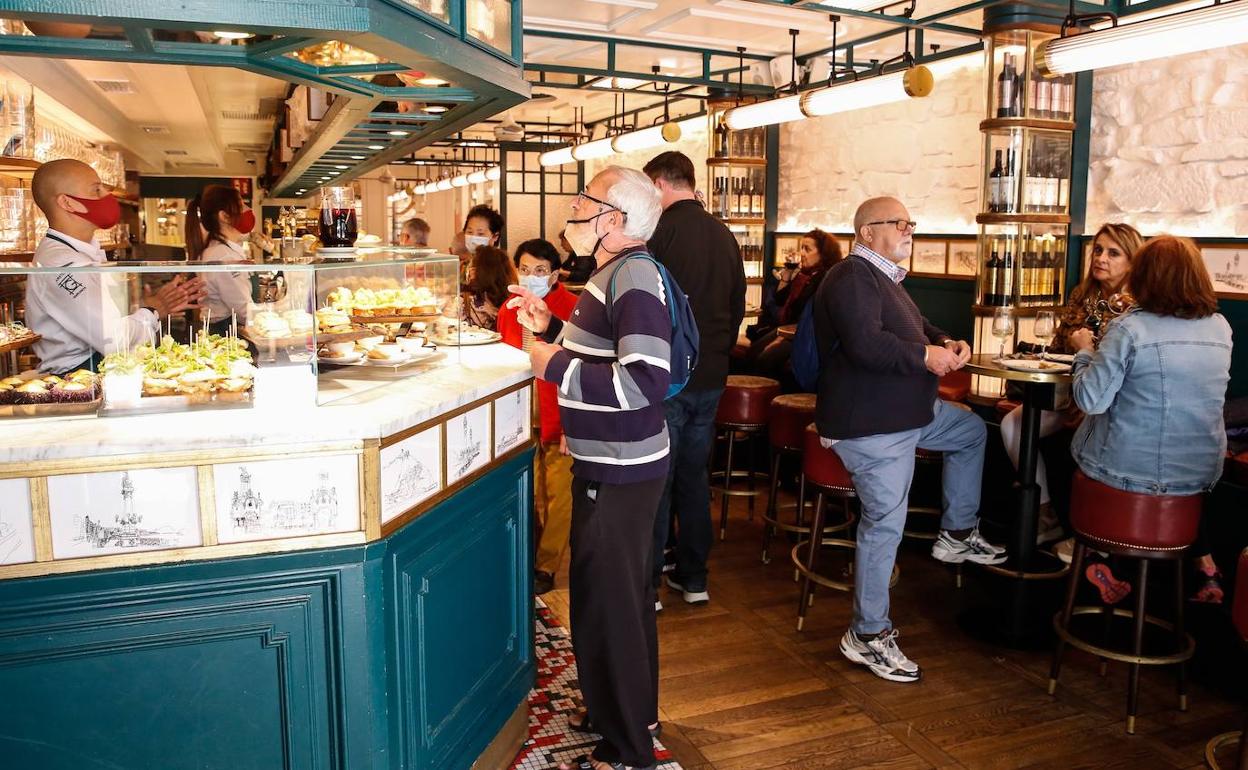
[[817, 539], [1137, 646], [803, 593], [1107, 625], [751, 440], [723, 502], [768, 529], [1072, 588], [1179, 631], [1241, 763], [799, 515]]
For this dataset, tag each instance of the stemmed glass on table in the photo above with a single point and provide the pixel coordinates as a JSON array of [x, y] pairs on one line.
[[1003, 326], [1045, 328]]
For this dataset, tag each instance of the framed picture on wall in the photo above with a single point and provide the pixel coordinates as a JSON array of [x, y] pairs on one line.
[[1228, 269], [963, 258], [928, 256], [788, 248]]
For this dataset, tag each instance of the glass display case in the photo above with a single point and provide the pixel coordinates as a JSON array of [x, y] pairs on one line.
[[1018, 88], [737, 176], [1022, 266], [266, 335], [1026, 171]]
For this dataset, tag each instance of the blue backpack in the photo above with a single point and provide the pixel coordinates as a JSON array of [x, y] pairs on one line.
[[805, 355], [685, 338]]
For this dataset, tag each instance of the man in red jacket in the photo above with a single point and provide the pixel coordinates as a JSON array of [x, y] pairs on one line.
[[538, 262]]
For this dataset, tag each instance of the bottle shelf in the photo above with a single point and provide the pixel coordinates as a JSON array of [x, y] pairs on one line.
[[22, 168], [1022, 311], [1023, 219], [997, 124], [736, 161], [743, 220]]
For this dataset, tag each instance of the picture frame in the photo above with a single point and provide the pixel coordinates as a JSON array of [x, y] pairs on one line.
[[1227, 264], [17, 534], [787, 244], [929, 257], [128, 511], [963, 258], [293, 497]]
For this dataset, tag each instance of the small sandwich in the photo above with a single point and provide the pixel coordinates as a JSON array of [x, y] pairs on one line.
[[331, 320], [377, 354], [159, 386], [73, 392], [233, 388], [299, 321], [7, 394], [33, 392], [13, 382]]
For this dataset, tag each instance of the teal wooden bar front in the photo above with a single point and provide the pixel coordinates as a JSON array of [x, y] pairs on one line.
[[413, 651]]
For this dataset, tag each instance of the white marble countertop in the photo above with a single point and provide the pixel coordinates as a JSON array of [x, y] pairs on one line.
[[466, 374]]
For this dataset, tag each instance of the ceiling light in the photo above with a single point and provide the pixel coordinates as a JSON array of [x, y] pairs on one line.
[[341, 167], [646, 138], [324, 179], [228, 35], [622, 83], [476, 177], [434, 109], [493, 173], [432, 82], [870, 92], [764, 113], [397, 132], [599, 148], [357, 157], [444, 185], [459, 181], [1189, 32], [376, 147], [556, 157]]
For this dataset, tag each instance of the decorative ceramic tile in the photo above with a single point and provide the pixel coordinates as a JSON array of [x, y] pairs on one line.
[[147, 509], [17, 537], [411, 472], [287, 498], [513, 419], [467, 443]]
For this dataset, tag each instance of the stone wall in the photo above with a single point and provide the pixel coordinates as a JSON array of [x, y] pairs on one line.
[[924, 151], [1170, 145]]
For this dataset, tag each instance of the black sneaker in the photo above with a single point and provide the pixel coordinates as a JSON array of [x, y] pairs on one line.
[[543, 582]]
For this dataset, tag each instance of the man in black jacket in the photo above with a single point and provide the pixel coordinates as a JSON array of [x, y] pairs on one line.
[[877, 401], [703, 256]]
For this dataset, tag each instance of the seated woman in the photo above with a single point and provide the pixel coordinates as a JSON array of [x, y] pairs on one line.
[[769, 353], [489, 275], [1100, 297], [1153, 390]]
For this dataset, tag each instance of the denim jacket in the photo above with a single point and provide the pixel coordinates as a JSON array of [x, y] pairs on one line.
[[1153, 393]]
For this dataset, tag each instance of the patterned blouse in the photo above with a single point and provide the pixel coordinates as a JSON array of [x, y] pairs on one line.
[[1094, 312]]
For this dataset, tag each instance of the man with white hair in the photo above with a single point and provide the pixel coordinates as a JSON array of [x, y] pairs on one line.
[[877, 402], [611, 363]]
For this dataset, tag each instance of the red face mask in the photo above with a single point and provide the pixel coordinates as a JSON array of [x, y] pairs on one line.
[[246, 221], [102, 212]]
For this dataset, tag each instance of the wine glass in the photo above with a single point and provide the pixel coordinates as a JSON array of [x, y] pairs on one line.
[[1003, 326], [1045, 328]]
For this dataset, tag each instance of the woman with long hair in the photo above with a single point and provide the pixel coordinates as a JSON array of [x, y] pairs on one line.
[[1100, 297], [216, 222], [489, 274]]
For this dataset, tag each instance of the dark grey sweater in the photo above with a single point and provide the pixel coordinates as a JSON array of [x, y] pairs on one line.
[[871, 337]]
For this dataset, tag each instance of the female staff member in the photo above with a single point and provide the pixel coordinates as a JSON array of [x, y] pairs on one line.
[[1099, 298], [216, 222], [1154, 389]]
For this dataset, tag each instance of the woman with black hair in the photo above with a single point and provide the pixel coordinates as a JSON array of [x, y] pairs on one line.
[[216, 222]]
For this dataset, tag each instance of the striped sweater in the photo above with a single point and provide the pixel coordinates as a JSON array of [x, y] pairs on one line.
[[613, 373]]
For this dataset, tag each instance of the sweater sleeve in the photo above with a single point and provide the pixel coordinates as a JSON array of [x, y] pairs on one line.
[[934, 333], [642, 331], [855, 314]]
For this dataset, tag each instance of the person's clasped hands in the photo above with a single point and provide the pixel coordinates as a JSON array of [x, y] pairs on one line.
[[949, 356]]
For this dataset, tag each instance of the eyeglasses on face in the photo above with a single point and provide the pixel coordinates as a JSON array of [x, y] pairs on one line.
[[902, 225], [583, 196], [541, 271]]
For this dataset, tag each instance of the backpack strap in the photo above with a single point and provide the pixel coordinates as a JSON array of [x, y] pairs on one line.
[[611, 282]]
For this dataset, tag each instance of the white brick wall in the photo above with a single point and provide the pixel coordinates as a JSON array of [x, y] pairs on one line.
[[1170, 145], [924, 151]]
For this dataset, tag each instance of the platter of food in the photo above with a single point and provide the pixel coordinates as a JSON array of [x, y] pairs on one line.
[[15, 336], [49, 395], [466, 335], [295, 327], [172, 375], [1033, 365], [384, 305]]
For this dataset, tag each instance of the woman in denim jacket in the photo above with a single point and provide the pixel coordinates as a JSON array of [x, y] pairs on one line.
[[1153, 390]]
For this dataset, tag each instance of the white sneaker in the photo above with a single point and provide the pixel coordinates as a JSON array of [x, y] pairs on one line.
[[974, 548], [1065, 550], [881, 655], [690, 597], [658, 606]]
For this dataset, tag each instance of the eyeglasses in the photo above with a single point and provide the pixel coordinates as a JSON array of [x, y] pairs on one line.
[[541, 271], [583, 196], [902, 225]]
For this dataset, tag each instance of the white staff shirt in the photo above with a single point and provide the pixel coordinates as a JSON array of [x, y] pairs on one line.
[[225, 293], [80, 312]]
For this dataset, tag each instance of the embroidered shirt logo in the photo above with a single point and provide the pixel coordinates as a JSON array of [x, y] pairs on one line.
[[70, 284]]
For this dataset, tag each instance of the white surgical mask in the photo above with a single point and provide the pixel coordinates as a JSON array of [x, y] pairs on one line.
[[582, 237], [538, 284], [474, 242]]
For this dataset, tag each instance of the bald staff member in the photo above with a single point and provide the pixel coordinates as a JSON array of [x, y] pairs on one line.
[[79, 314]]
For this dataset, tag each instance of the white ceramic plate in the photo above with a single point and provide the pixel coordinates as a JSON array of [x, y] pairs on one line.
[[477, 338], [398, 360], [1034, 365], [1061, 358], [353, 357]]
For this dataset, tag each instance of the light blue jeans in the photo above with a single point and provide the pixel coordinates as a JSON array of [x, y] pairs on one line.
[[882, 467]]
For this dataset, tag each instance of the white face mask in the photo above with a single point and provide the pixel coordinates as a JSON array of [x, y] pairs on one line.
[[474, 242], [582, 237], [538, 284]]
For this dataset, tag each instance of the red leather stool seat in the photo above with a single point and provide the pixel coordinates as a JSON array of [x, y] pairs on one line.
[[955, 386], [1005, 406], [823, 466], [1131, 519], [746, 400], [790, 414]]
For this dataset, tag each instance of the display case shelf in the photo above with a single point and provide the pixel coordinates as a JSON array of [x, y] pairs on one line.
[[995, 124], [22, 168], [1024, 218], [736, 162]]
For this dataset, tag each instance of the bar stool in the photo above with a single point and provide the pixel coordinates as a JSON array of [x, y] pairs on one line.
[[1139, 526], [788, 417], [1239, 617], [822, 468], [743, 408]]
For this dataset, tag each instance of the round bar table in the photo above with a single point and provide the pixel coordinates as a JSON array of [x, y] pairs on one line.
[[1026, 562]]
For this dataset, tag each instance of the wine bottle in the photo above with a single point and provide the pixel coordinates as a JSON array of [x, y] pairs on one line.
[[1008, 201], [1008, 277], [1051, 185], [994, 185], [1043, 103], [992, 276], [1033, 187], [721, 139], [1005, 87], [760, 204], [1063, 182]]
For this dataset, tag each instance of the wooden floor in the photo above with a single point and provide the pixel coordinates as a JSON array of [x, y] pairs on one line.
[[741, 689]]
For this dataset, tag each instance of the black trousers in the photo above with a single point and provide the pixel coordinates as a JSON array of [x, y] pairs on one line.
[[613, 625]]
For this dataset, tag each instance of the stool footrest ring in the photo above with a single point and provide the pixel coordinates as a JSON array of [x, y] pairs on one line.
[[1189, 644], [797, 553], [1217, 742], [831, 529]]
